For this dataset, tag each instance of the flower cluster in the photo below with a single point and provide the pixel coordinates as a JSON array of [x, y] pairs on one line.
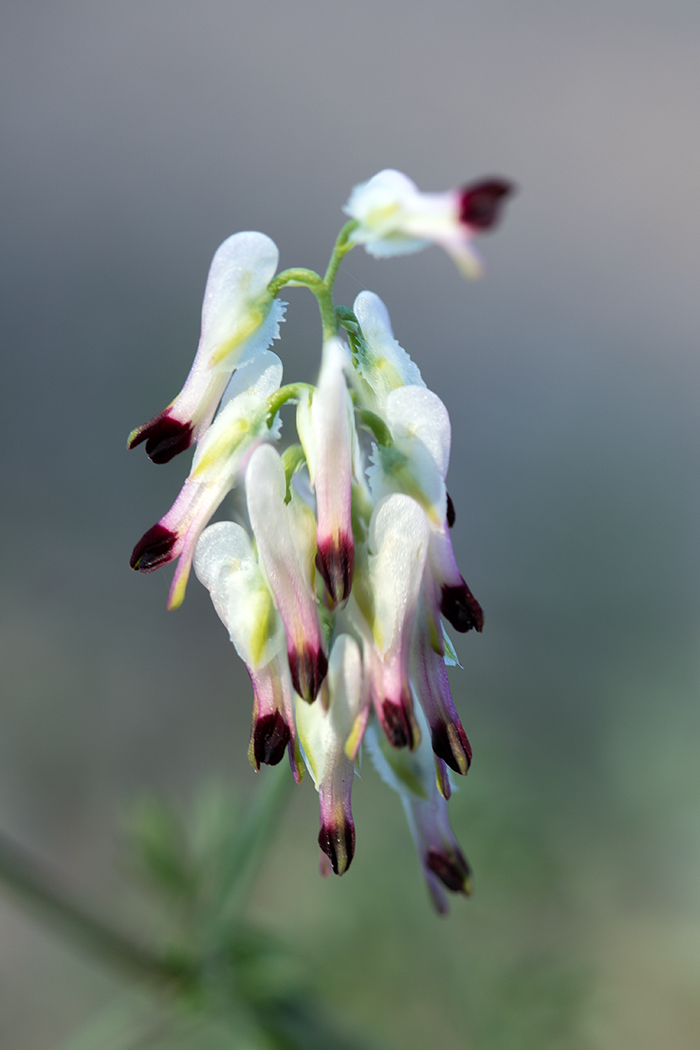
[[334, 595]]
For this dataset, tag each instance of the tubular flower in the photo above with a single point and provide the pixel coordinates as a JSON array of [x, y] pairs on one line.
[[286, 538], [326, 429], [239, 319], [394, 218], [325, 731], [413, 776], [226, 564], [414, 453], [399, 537], [335, 591], [220, 458]]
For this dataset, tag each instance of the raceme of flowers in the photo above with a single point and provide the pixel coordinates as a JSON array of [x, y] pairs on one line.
[[335, 591]]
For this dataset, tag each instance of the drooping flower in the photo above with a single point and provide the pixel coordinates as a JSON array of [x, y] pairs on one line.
[[221, 457], [326, 732], [413, 775], [395, 218], [228, 567], [416, 458], [326, 429], [286, 536], [239, 319], [432, 687], [398, 542]]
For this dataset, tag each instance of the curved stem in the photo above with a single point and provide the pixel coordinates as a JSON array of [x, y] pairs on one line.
[[340, 249], [322, 287], [290, 392]]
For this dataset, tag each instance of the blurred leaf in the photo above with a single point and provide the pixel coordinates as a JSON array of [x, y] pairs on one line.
[[158, 842]]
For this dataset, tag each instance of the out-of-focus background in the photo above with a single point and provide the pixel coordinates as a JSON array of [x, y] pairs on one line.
[[135, 137]]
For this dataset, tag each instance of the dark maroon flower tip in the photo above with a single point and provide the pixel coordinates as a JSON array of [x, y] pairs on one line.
[[397, 725], [481, 203], [165, 437], [460, 607], [335, 560], [451, 869], [338, 843], [269, 739], [308, 670], [450, 743], [451, 516], [155, 548]]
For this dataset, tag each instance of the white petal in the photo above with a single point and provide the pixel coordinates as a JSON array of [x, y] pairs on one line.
[[399, 535], [259, 377], [417, 414], [387, 365], [225, 563]]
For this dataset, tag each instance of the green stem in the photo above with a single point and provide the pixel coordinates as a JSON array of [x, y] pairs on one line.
[[27, 878], [341, 248], [322, 288], [253, 837], [290, 392]]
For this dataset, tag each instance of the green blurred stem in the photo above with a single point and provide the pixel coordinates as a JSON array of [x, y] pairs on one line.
[[322, 288], [254, 836], [30, 881]]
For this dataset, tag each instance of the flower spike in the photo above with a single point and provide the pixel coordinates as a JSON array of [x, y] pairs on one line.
[[239, 319], [395, 218], [335, 595]]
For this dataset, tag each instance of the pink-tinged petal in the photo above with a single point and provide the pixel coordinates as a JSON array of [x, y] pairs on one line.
[[285, 534], [166, 436], [239, 320], [227, 565], [481, 203], [155, 548], [413, 776], [325, 733], [432, 687], [273, 729], [326, 431], [457, 603], [220, 458], [398, 536]]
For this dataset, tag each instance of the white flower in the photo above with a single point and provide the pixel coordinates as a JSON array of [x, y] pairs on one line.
[[326, 429], [227, 566], [286, 536], [220, 458], [412, 775], [395, 218], [239, 319], [325, 730]]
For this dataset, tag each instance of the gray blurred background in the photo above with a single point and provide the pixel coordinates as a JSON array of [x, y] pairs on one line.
[[136, 136]]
